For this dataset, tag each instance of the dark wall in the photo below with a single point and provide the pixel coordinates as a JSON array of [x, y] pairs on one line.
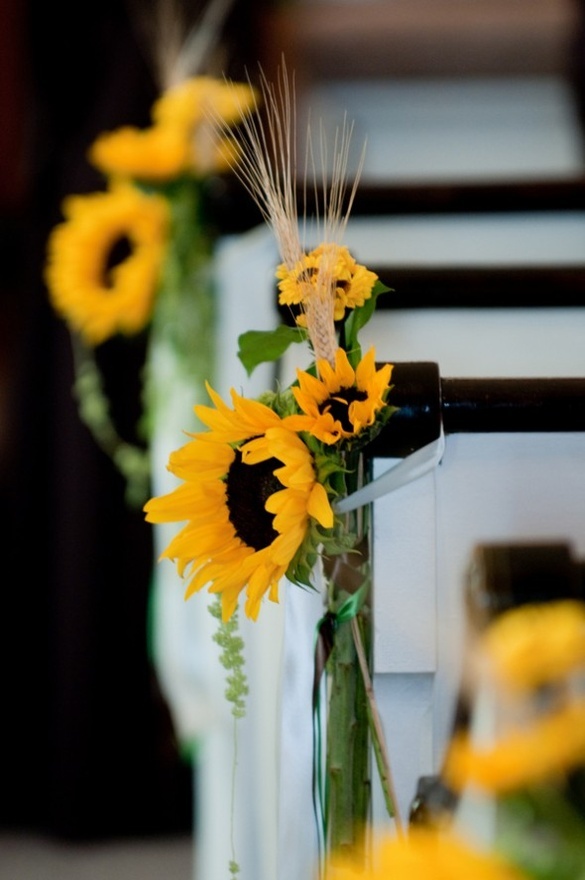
[[86, 743]]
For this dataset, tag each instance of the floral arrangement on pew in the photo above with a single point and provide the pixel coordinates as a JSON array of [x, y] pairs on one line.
[[266, 495], [262, 487], [527, 770], [136, 258]]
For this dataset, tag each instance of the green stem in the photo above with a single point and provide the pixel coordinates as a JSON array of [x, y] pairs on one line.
[[131, 460], [348, 730], [185, 315], [348, 749]]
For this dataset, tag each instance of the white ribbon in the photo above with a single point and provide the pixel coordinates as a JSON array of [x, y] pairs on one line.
[[415, 465]]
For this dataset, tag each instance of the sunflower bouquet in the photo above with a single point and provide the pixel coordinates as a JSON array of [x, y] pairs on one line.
[[135, 260], [262, 488]]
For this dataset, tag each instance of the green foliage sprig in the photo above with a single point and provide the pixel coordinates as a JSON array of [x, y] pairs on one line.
[[232, 659]]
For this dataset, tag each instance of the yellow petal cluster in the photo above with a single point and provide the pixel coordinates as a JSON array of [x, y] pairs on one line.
[[210, 548], [341, 402], [349, 282], [189, 103], [185, 136], [98, 301], [155, 154], [544, 749], [537, 644]]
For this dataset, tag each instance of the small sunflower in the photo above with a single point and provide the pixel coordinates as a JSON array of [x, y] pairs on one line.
[[423, 854], [349, 282], [342, 402], [97, 289], [249, 493]]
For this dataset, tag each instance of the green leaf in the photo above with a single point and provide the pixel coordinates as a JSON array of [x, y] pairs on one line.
[[259, 346], [358, 318]]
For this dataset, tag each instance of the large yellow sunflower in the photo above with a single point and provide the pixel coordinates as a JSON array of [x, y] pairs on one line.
[[95, 294], [350, 282], [423, 854], [342, 402], [249, 492]]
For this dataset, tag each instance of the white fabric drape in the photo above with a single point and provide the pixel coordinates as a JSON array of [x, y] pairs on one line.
[[187, 658]]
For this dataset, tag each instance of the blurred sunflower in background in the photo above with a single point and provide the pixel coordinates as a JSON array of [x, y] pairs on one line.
[[104, 261], [533, 657], [138, 256]]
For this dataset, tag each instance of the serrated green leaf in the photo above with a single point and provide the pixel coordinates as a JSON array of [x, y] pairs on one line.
[[259, 346]]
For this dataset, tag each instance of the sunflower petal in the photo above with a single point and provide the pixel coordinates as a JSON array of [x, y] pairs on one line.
[[319, 506]]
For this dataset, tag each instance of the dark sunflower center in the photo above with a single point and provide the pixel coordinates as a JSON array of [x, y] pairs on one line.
[[119, 251], [338, 406], [248, 488], [306, 274], [310, 272]]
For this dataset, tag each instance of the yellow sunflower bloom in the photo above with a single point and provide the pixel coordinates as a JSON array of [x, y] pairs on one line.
[[96, 299], [538, 644], [155, 154], [249, 492], [545, 749], [351, 283], [342, 402], [423, 854]]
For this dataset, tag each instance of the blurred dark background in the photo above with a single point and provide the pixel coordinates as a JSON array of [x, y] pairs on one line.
[[87, 747]]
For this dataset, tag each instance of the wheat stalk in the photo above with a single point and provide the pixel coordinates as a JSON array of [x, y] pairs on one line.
[[176, 49], [266, 164]]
